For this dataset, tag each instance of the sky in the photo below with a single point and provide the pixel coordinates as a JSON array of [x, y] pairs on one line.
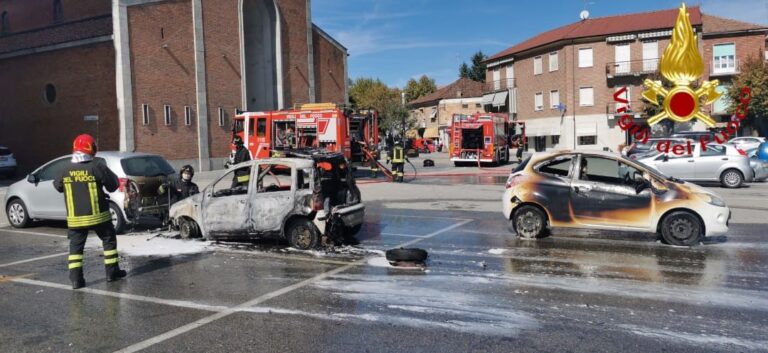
[[396, 40]]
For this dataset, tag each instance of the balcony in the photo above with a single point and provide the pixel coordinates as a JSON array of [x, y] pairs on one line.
[[498, 85], [724, 67], [635, 108], [631, 68]]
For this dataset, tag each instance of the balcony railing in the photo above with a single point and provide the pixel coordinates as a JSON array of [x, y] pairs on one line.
[[631, 68], [635, 107], [725, 66], [498, 85]]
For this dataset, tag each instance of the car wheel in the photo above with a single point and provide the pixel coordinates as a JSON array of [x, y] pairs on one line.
[[188, 229], [731, 178], [302, 234], [117, 218], [529, 222], [681, 228], [17, 214], [402, 254]]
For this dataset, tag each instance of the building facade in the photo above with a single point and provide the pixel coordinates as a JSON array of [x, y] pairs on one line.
[[433, 112], [157, 76], [561, 83]]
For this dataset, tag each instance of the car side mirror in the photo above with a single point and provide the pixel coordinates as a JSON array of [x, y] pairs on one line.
[[32, 179]]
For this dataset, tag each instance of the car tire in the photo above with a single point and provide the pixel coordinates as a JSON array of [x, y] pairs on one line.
[[403, 254], [529, 222], [116, 216], [731, 178], [188, 229], [681, 228], [302, 234], [17, 214]]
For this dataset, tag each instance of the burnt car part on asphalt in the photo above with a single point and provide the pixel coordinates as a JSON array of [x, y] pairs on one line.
[[407, 257], [599, 190], [309, 202]]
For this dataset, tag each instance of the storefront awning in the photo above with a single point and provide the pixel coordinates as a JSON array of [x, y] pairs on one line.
[[431, 133], [554, 130], [586, 130], [488, 98], [500, 99]]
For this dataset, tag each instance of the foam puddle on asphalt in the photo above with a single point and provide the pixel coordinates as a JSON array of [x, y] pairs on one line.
[[153, 244]]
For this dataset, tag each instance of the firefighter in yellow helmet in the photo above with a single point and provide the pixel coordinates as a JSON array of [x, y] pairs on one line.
[[82, 183], [398, 158]]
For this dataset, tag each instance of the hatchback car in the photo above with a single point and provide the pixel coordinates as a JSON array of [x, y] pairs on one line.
[[601, 190], [308, 202], [7, 162], [718, 163], [759, 166], [140, 175]]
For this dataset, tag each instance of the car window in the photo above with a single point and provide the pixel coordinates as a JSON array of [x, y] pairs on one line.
[[559, 166], [274, 177], [713, 151], [606, 170], [235, 182], [146, 166], [54, 169], [304, 178]]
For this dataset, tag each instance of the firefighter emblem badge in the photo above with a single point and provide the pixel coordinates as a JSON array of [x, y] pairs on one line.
[[682, 65]]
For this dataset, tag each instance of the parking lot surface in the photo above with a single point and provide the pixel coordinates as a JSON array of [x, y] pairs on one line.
[[483, 290]]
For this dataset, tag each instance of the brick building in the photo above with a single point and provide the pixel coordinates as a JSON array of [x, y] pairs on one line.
[[162, 76], [433, 112], [562, 82]]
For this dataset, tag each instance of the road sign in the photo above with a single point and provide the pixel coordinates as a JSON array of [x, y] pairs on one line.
[[91, 118]]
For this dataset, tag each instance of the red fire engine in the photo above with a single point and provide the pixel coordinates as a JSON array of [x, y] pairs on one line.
[[479, 137], [324, 126]]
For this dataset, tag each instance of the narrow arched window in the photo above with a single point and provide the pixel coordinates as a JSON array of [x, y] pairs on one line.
[[58, 11], [4, 22]]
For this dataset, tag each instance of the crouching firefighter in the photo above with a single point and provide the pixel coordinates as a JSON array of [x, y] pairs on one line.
[[82, 183], [397, 157]]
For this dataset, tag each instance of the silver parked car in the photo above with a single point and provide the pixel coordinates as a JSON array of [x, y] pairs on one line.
[[140, 174], [307, 202], [760, 167], [723, 163], [747, 142]]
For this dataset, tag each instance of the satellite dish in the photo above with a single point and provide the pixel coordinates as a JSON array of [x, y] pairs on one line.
[[584, 14]]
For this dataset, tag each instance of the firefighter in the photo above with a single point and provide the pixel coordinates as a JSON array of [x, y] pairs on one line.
[[372, 156], [397, 157], [182, 187], [242, 175], [82, 183]]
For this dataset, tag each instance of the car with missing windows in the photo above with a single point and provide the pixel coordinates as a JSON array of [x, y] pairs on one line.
[[139, 174], [602, 190], [725, 164], [309, 202]]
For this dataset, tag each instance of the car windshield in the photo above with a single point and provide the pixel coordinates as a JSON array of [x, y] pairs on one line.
[[146, 166], [655, 172]]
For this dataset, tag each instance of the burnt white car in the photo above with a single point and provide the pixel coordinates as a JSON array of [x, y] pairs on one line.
[[308, 202]]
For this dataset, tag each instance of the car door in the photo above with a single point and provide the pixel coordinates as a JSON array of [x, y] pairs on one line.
[[554, 187], [708, 163], [603, 194], [678, 166], [274, 197], [44, 201], [225, 206]]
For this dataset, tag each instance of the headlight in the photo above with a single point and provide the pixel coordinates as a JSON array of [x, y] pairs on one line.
[[713, 200]]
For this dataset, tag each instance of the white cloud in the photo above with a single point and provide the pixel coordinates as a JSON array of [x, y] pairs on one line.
[[753, 11]]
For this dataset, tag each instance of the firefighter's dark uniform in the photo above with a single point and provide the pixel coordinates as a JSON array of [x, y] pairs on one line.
[[397, 157], [242, 175], [88, 209], [179, 189], [374, 163]]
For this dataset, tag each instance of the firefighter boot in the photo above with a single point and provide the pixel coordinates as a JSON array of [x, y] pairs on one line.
[[76, 271], [114, 273]]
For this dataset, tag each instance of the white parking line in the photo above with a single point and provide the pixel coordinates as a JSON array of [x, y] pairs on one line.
[[193, 325], [34, 259], [414, 216], [32, 233], [403, 235]]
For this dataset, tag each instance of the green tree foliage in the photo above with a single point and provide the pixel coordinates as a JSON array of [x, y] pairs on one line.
[[477, 71], [417, 89], [372, 93], [754, 74]]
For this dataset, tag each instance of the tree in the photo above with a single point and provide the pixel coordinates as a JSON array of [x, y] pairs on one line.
[[372, 93], [754, 75], [417, 89], [477, 71]]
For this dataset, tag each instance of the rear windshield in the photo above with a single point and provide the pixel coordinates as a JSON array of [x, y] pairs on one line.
[[4, 151], [521, 166], [146, 166]]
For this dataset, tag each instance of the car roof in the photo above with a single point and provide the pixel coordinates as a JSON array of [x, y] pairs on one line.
[[299, 163], [122, 154], [544, 155]]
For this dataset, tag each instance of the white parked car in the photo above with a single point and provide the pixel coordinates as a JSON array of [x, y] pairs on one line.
[[719, 163]]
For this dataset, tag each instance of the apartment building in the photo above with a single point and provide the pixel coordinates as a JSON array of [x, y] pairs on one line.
[[433, 112], [561, 83]]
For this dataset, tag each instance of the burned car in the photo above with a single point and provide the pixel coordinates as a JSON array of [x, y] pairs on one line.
[[599, 190], [309, 202]]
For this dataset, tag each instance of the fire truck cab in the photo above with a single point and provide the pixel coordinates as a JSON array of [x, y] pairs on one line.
[[320, 126], [479, 138]]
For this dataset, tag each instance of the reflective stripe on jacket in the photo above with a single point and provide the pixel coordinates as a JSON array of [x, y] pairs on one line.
[[398, 155], [82, 185]]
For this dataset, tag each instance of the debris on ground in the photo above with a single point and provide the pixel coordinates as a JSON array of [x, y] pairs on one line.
[[407, 257]]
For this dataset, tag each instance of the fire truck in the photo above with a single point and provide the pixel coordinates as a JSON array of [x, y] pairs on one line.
[[479, 138], [321, 126]]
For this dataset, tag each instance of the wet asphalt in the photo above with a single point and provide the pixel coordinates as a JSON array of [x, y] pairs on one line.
[[482, 290]]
